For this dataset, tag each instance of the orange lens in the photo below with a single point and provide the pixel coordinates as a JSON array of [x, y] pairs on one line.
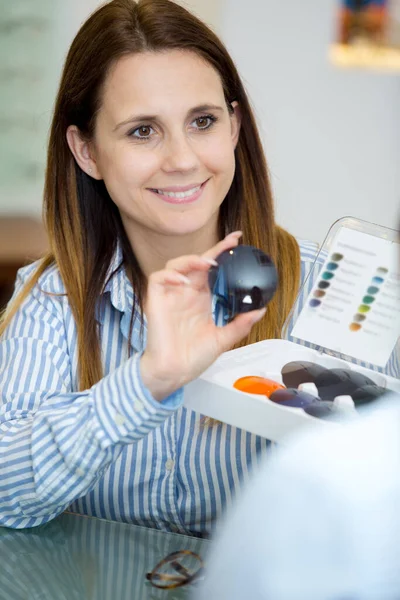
[[257, 385]]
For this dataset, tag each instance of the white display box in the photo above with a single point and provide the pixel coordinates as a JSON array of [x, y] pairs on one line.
[[213, 394]]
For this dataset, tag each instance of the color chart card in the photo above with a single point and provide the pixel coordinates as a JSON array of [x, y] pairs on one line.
[[354, 307]]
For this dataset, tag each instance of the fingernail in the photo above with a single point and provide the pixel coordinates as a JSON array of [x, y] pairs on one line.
[[259, 315], [184, 279], [210, 261], [236, 234]]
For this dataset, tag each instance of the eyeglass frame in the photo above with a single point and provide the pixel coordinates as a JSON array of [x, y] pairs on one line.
[[179, 568]]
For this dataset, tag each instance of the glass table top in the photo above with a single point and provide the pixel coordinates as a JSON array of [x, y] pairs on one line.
[[82, 558]]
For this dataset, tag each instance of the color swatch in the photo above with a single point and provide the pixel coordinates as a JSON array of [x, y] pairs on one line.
[[359, 318], [315, 303], [377, 280], [326, 278], [353, 304], [327, 275], [332, 266]]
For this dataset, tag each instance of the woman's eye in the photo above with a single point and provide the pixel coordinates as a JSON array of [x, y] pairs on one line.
[[204, 122], [142, 132]]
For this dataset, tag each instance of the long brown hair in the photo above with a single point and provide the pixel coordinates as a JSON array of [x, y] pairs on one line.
[[82, 222]]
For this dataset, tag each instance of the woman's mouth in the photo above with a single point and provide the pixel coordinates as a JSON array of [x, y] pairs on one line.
[[180, 195]]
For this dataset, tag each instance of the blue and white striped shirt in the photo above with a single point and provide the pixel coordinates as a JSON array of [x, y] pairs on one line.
[[111, 451]]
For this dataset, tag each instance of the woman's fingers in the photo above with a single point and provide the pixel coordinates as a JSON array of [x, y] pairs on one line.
[[186, 264], [168, 277], [230, 241], [177, 270], [201, 264]]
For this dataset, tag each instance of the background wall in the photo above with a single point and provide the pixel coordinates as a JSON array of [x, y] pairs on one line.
[[34, 38], [332, 138], [28, 73]]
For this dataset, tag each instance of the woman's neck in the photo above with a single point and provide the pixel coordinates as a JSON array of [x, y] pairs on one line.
[[154, 250]]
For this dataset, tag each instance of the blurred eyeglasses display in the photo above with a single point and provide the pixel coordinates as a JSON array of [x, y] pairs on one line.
[[367, 35]]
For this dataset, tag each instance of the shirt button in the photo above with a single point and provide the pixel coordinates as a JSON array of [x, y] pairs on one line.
[[119, 419], [138, 406], [169, 465]]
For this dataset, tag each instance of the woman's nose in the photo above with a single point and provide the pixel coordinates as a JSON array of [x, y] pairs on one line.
[[180, 155]]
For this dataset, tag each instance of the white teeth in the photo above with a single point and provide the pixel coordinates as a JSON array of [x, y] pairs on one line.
[[180, 194]]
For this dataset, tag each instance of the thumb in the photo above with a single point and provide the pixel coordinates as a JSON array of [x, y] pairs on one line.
[[240, 327]]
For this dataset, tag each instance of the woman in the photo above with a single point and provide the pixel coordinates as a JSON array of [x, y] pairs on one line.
[[154, 158]]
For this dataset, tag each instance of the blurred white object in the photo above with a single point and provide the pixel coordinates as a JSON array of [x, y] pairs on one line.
[[345, 403], [320, 520], [309, 388]]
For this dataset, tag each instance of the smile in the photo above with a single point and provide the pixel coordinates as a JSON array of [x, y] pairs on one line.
[[179, 194], [182, 195]]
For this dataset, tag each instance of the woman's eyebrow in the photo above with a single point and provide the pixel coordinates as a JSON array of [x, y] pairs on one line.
[[147, 118], [205, 108]]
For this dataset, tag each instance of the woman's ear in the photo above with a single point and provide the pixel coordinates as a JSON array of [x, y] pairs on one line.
[[82, 152], [236, 121]]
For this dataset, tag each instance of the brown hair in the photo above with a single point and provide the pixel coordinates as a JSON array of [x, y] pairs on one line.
[[83, 223]]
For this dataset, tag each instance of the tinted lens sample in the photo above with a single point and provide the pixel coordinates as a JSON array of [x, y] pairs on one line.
[[245, 279], [340, 382], [293, 398], [319, 294], [368, 299], [355, 327], [252, 384], [323, 410], [367, 394], [323, 285], [336, 257], [332, 266], [296, 372]]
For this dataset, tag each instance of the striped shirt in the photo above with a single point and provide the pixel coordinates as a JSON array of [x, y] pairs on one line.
[[111, 451]]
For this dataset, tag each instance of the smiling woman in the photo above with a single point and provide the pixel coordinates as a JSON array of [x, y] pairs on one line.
[[155, 167], [170, 164]]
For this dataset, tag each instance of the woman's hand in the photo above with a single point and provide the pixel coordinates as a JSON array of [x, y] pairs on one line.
[[182, 339]]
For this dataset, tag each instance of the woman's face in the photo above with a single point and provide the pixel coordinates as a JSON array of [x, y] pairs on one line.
[[164, 142]]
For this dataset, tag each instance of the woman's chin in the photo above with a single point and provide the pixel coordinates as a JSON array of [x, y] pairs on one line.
[[180, 227]]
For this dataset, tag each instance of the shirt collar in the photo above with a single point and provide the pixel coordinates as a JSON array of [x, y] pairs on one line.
[[118, 290], [117, 281]]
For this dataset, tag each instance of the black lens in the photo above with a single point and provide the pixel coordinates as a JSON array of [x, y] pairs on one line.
[[367, 394], [246, 279], [297, 372], [340, 382], [323, 410]]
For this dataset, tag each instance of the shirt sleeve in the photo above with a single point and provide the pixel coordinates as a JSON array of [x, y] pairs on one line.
[[56, 443]]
